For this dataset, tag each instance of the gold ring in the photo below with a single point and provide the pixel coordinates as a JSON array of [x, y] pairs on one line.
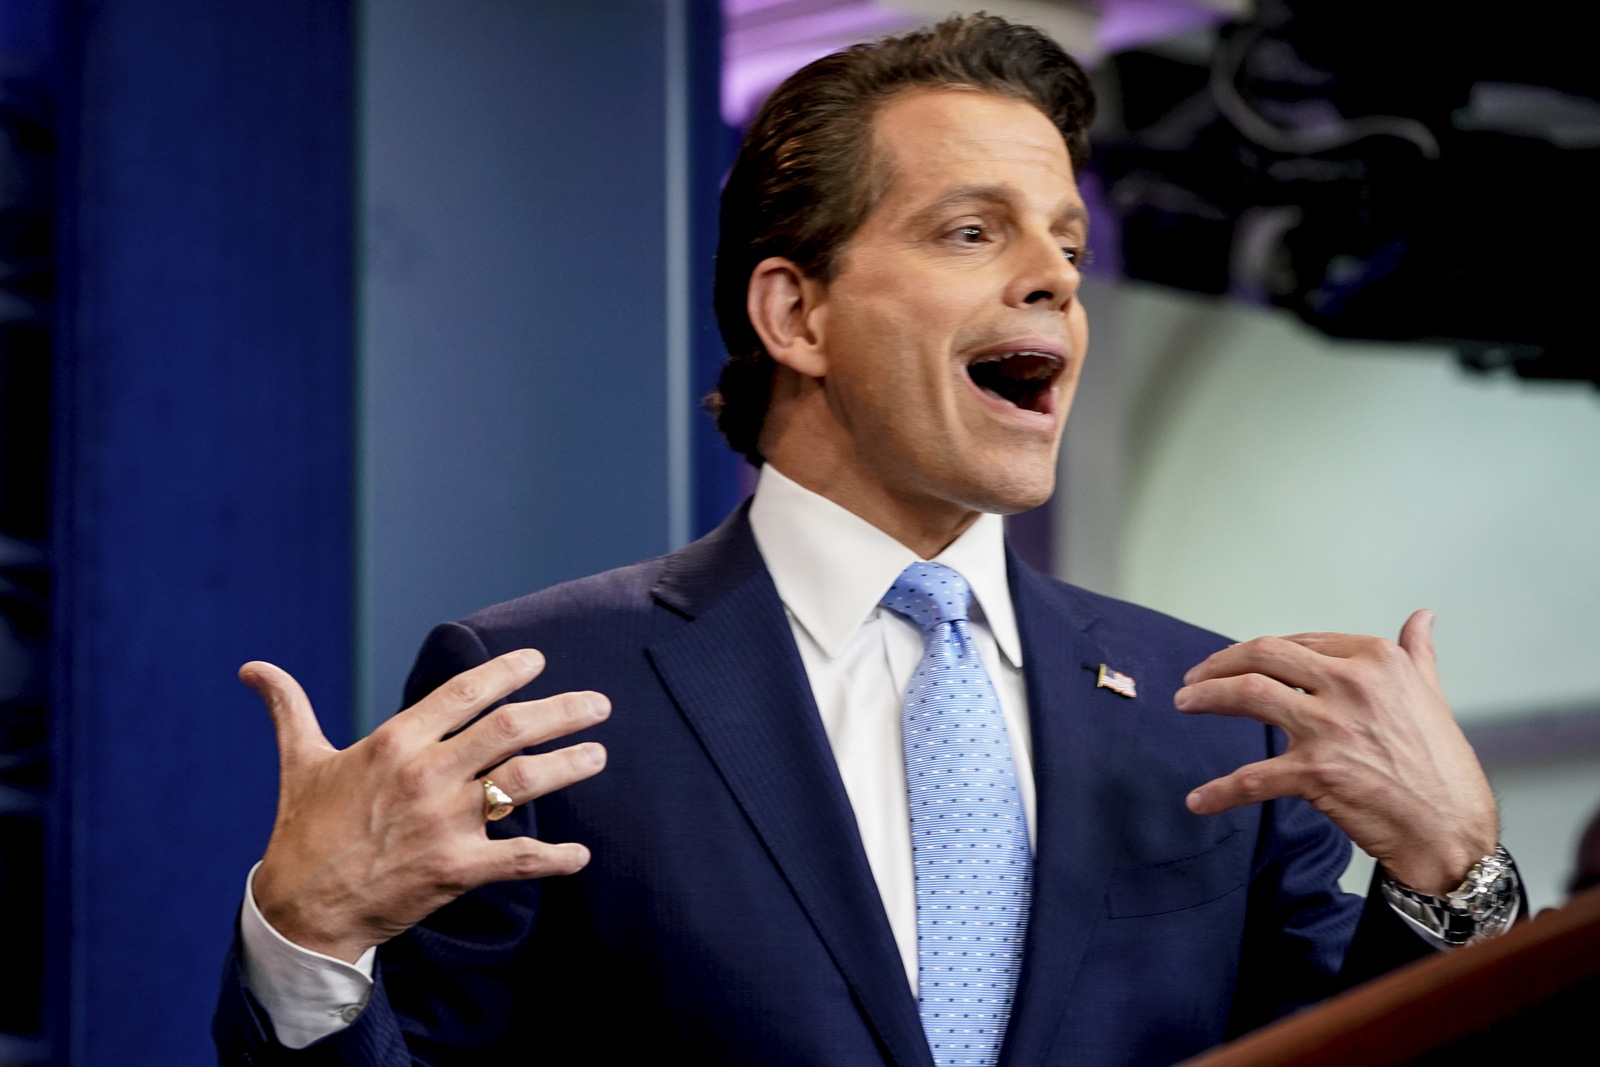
[[496, 803]]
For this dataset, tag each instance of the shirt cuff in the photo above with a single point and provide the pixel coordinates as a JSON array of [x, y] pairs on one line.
[[306, 995]]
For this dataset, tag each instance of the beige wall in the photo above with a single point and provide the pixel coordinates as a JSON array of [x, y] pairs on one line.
[[1231, 466]]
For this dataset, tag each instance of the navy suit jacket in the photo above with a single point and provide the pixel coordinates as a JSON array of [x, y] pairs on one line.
[[729, 915]]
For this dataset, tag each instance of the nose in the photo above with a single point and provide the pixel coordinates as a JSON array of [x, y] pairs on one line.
[[1045, 278]]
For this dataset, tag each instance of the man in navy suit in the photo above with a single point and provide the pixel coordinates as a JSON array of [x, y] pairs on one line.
[[897, 285]]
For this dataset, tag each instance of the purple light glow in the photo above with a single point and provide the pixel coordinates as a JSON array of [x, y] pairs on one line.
[[765, 41], [1126, 24]]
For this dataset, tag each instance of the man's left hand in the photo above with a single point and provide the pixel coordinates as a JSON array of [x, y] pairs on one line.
[[1372, 744]]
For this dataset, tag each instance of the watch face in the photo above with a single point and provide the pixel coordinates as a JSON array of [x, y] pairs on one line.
[[1490, 877]]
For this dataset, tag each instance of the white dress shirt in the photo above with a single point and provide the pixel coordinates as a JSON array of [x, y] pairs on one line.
[[306, 995], [831, 568]]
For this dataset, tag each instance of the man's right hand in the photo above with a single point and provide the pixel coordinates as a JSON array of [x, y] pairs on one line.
[[371, 839]]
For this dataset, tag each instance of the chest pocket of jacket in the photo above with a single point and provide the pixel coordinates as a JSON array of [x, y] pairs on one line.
[[1182, 883]]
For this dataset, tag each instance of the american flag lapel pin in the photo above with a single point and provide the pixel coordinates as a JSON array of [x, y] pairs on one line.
[[1115, 681]]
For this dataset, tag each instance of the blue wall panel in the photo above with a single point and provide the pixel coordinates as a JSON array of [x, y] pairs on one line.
[[721, 477], [514, 316], [204, 489]]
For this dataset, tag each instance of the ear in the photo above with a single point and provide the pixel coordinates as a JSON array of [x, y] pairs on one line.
[[785, 307]]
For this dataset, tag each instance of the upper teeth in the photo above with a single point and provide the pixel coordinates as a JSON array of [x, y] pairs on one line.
[[996, 357]]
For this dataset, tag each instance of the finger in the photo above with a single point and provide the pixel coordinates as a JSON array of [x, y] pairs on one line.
[[513, 727], [458, 700], [293, 720], [1250, 784], [527, 777], [1252, 696], [505, 859], [1341, 646], [1416, 637], [1275, 657]]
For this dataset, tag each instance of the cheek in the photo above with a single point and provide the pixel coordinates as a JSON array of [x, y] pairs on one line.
[[891, 331], [887, 347], [909, 300]]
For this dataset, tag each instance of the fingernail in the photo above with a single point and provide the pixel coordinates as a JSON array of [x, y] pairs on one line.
[[1192, 801], [599, 706], [1180, 699], [595, 754]]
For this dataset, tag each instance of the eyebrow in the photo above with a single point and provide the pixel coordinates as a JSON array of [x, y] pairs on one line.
[[1072, 213]]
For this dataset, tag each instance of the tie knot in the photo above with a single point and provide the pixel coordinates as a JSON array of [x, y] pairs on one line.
[[929, 594]]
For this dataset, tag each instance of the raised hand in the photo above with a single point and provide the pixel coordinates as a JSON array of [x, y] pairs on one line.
[[371, 839], [1372, 744]]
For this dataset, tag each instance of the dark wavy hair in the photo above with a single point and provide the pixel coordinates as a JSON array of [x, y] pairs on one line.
[[807, 177]]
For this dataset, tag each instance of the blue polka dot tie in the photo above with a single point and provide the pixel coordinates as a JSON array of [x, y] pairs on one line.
[[969, 836]]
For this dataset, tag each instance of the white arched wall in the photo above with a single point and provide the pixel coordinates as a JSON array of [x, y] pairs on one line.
[[1231, 466]]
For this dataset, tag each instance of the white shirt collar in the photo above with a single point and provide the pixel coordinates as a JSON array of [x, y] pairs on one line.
[[832, 567]]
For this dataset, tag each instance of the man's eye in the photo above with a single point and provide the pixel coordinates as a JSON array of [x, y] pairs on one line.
[[969, 234], [1077, 256]]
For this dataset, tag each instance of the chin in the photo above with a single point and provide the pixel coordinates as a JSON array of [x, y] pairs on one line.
[[1013, 488], [1013, 503]]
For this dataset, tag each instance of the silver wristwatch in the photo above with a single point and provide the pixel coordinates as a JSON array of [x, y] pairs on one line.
[[1485, 904]]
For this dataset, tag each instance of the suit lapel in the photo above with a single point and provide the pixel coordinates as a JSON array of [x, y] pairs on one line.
[[1082, 736], [736, 675]]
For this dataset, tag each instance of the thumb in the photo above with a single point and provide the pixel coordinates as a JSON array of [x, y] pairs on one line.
[[1416, 637], [299, 735]]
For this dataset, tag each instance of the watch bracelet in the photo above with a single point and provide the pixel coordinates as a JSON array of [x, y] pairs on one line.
[[1484, 905]]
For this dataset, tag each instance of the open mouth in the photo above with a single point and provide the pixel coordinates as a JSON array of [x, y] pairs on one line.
[[1022, 379]]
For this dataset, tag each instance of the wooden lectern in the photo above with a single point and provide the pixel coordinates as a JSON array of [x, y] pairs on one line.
[[1529, 996]]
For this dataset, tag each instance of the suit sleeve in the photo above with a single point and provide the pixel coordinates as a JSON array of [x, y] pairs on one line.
[[1307, 939], [444, 988]]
